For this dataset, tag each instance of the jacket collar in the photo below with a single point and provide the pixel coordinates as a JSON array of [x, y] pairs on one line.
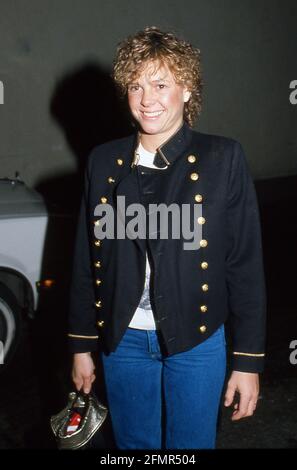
[[170, 150]]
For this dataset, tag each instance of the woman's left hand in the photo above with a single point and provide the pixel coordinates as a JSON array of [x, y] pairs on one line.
[[247, 385]]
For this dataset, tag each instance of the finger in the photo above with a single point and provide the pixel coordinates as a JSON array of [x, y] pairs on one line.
[[87, 385], [78, 382], [242, 409], [253, 405], [251, 408], [229, 396], [78, 385]]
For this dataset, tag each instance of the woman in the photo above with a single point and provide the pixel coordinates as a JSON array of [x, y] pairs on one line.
[[155, 308]]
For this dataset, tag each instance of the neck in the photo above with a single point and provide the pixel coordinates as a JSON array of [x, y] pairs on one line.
[[152, 142]]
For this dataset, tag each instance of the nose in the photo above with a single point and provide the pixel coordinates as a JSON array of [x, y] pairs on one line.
[[148, 97]]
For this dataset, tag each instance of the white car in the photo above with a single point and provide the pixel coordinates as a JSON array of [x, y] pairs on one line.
[[23, 226]]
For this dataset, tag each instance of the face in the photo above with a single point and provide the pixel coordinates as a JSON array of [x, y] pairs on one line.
[[156, 101]]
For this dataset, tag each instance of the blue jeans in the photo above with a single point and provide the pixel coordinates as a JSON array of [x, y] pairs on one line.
[[142, 384]]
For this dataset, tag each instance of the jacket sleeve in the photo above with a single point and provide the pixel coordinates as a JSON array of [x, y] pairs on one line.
[[244, 269], [82, 331]]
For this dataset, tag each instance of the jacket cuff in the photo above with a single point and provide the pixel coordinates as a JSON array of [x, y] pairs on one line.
[[81, 344], [247, 362]]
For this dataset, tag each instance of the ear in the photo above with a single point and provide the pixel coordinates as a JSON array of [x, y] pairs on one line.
[[187, 95]]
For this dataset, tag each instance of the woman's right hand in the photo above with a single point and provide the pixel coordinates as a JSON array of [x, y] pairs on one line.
[[83, 371]]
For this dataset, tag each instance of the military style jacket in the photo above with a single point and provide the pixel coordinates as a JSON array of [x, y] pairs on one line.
[[193, 291]]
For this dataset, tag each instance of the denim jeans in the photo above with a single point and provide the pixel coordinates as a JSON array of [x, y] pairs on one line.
[[157, 401]]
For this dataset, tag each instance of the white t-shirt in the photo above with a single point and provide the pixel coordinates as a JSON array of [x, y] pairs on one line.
[[143, 318]]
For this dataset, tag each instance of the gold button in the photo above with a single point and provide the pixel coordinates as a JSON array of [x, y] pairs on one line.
[[98, 304], [204, 287], [100, 323], [97, 242], [194, 176], [191, 158], [97, 264], [120, 161], [203, 243], [98, 282], [203, 308], [201, 220], [103, 200], [204, 265], [198, 198], [202, 329], [110, 179], [97, 222]]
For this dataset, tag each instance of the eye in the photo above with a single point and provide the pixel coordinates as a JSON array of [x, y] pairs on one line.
[[161, 86], [133, 88]]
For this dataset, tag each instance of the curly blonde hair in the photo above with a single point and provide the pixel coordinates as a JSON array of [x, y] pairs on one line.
[[164, 48]]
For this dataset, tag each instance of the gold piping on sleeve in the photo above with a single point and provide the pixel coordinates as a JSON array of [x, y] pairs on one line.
[[83, 337], [248, 354]]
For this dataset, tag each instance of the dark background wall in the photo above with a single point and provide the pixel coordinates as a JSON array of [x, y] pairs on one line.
[[56, 56]]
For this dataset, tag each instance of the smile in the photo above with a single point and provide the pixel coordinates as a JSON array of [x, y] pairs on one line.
[[153, 114]]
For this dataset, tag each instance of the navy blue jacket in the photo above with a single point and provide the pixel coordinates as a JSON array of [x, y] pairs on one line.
[[193, 291]]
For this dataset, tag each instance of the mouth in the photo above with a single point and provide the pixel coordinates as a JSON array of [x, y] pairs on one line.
[[153, 115]]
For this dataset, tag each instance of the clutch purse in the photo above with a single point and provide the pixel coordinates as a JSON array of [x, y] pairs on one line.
[[77, 423]]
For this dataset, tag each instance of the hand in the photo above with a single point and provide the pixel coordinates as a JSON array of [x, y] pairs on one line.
[[247, 385], [83, 371]]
